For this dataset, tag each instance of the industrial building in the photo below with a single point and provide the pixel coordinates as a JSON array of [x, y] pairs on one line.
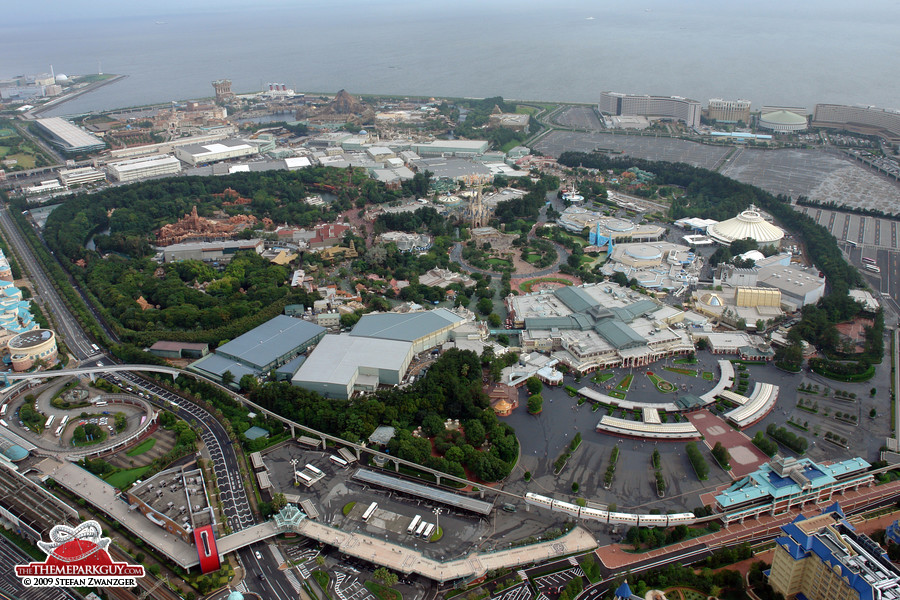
[[733, 304], [787, 483], [201, 154], [728, 111], [343, 364], [665, 107], [598, 326], [824, 558], [423, 329], [798, 285], [261, 349], [461, 148], [145, 167], [210, 251], [457, 170], [655, 265], [80, 176], [867, 120], [67, 137]]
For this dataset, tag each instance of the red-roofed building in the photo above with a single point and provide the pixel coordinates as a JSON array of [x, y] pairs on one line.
[[205, 539], [329, 234]]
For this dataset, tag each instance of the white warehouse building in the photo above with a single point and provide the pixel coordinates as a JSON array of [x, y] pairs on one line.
[[144, 167], [201, 154]]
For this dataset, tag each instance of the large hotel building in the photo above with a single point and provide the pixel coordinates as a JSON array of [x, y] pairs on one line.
[[729, 111], [671, 107], [824, 558], [867, 120]]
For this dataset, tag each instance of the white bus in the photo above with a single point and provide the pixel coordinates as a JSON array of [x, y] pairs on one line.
[[851, 243], [339, 461], [102, 403], [369, 511], [4, 423], [867, 260], [59, 430], [95, 348], [65, 420], [429, 529], [412, 526], [3, 410], [871, 268], [304, 478], [313, 469], [421, 528], [49, 421]]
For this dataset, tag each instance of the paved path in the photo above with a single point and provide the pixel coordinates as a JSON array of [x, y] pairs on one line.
[[745, 457]]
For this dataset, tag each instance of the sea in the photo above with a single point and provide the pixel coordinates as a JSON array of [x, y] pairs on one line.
[[772, 52]]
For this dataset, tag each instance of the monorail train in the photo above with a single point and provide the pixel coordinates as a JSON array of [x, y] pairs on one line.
[[612, 518]]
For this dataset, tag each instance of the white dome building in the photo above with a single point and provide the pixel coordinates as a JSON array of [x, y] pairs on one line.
[[748, 224], [783, 121]]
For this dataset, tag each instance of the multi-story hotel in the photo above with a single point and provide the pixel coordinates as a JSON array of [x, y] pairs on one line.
[[671, 107], [867, 120], [824, 558], [729, 111]]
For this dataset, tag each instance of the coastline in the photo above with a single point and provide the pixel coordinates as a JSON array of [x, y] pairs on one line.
[[72, 95]]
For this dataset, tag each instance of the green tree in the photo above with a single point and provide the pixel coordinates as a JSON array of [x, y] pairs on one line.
[[535, 404], [534, 385], [485, 306], [494, 320], [385, 577], [278, 502], [227, 377], [320, 560]]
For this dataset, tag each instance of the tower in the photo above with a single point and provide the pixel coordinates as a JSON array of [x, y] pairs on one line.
[[223, 89], [478, 211]]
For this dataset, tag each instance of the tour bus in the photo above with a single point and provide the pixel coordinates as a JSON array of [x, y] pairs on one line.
[[95, 348], [369, 511], [872, 268], [65, 420], [102, 403], [304, 478], [339, 461], [49, 421], [4, 423], [867, 260], [313, 469], [428, 531], [412, 526], [851, 243], [3, 410], [59, 430], [421, 528]]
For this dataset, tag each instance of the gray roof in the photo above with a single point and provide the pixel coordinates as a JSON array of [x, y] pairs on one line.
[[407, 327], [551, 323], [382, 435], [619, 334], [575, 298], [274, 338], [423, 491], [337, 358], [216, 365], [632, 311], [292, 365], [70, 134]]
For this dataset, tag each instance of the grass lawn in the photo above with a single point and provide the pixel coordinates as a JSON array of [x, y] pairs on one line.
[[26, 161], [102, 438], [602, 377], [3, 151], [5, 133], [382, 592], [525, 110], [532, 258], [122, 479], [348, 507], [322, 578], [498, 262], [144, 446], [661, 384], [708, 375], [625, 384], [438, 534], [685, 361], [691, 372], [526, 285], [616, 394]]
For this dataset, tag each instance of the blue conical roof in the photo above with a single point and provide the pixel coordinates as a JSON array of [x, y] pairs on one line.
[[624, 591]]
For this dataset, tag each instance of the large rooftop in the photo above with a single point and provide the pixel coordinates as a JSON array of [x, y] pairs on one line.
[[338, 358], [73, 137], [271, 340], [407, 327]]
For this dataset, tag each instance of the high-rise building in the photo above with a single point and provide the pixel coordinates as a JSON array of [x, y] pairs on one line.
[[823, 558], [223, 89], [729, 111], [867, 120], [672, 107]]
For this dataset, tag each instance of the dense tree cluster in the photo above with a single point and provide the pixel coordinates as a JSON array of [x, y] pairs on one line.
[[696, 457], [423, 220], [528, 206], [790, 439]]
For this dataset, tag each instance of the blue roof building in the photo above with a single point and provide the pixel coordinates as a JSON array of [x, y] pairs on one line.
[[824, 557], [786, 483]]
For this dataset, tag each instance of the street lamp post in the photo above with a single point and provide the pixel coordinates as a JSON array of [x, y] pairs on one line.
[[437, 513]]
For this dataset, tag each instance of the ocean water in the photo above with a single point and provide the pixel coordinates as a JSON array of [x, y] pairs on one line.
[[770, 52]]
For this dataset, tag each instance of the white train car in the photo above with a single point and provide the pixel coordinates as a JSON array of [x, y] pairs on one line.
[[617, 518], [682, 519], [566, 507], [538, 500], [652, 520], [594, 514]]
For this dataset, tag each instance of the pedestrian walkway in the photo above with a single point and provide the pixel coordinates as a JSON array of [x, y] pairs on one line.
[[745, 457], [292, 579]]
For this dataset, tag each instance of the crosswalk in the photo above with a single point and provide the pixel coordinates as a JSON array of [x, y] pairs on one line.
[[292, 579]]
